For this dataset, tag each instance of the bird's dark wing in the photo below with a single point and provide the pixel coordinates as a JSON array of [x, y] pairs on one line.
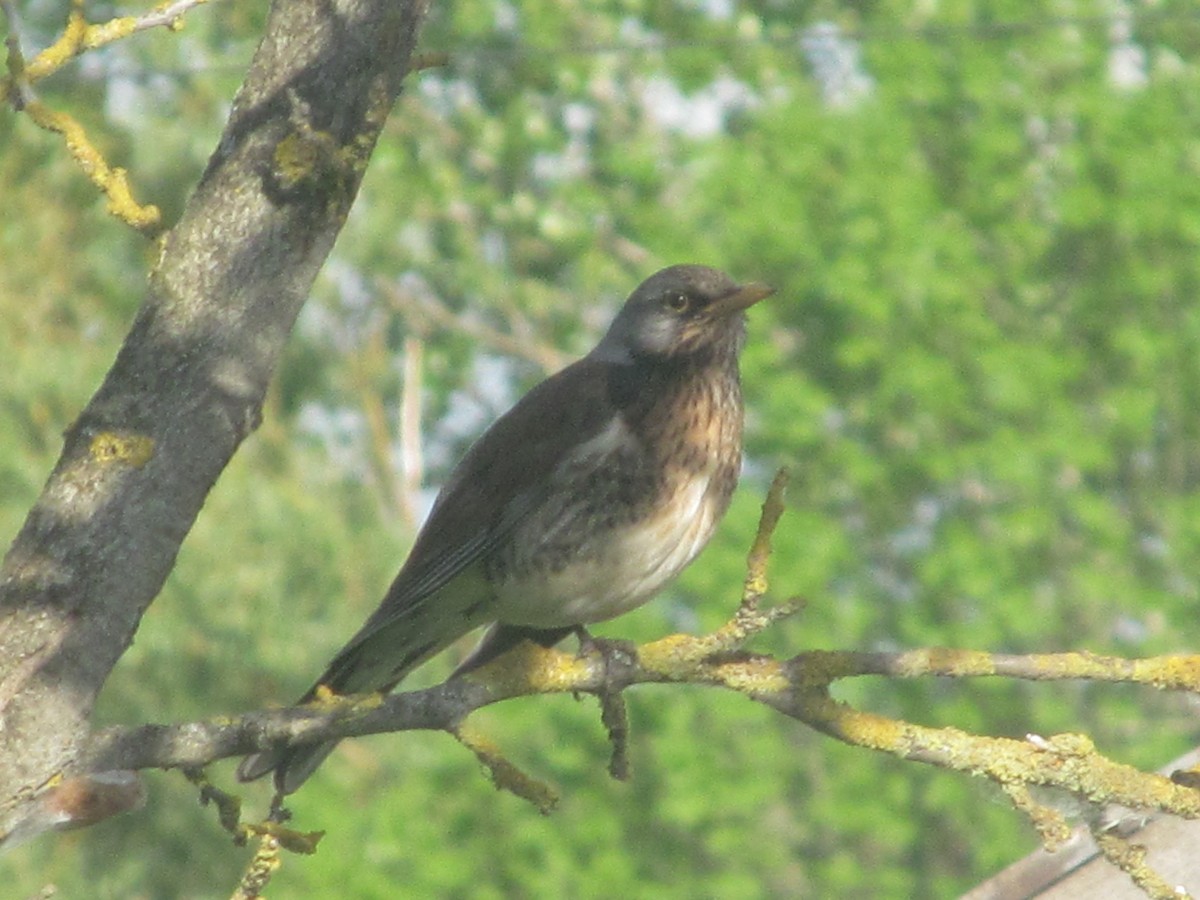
[[500, 478], [437, 595]]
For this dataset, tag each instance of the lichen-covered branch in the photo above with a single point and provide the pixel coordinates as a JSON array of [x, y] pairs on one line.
[[1130, 858], [1177, 672], [78, 37], [797, 687], [112, 181]]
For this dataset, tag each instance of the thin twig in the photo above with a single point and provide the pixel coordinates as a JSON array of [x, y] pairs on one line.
[[1130, 858], [412, 461], [760, 550], [111, 180], [1051, 825], [365, 369], [505, 775], [78, 37], [1176, 672], [548, 358], [615, 718]]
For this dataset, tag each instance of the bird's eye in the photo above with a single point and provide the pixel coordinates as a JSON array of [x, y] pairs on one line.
[[678, 302]]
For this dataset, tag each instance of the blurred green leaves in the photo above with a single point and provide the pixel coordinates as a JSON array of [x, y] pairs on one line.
[[980, 366]]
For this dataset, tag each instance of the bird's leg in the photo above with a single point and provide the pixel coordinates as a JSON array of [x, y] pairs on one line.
[[587, 643], [606, 648], [278, 812]]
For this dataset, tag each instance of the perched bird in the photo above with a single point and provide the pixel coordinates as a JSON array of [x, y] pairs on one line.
[[577, 505]]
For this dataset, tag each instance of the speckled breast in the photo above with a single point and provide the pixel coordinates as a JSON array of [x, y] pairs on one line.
[[646, 494]]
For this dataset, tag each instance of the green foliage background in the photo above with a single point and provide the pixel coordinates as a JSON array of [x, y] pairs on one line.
[[980, 365]]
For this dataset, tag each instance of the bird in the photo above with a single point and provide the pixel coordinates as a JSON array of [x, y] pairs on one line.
[[577, 505]]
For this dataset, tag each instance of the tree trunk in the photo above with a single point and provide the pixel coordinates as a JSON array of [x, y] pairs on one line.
[[188, 384]]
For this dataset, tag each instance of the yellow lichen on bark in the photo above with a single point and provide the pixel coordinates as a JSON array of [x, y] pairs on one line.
[[132, 449]]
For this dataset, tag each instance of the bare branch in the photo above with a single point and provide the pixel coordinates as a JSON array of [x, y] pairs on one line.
[[166, 15], [366, 366], [760, 550], [412, 466], [549, 359]]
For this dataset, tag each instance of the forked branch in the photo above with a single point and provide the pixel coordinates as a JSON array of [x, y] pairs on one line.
[[798, 687]]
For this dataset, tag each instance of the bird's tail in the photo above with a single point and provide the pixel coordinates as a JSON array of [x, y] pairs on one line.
[[375, 660], [291, 767]]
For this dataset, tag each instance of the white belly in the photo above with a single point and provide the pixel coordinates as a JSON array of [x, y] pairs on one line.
[[634, 564]]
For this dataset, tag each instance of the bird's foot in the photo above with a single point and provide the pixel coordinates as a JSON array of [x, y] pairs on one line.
[[611, 650]]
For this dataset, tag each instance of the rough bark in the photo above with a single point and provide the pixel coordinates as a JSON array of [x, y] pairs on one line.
[[189, 381]]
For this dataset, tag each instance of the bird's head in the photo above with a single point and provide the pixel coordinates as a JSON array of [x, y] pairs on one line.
[[680, 311]]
